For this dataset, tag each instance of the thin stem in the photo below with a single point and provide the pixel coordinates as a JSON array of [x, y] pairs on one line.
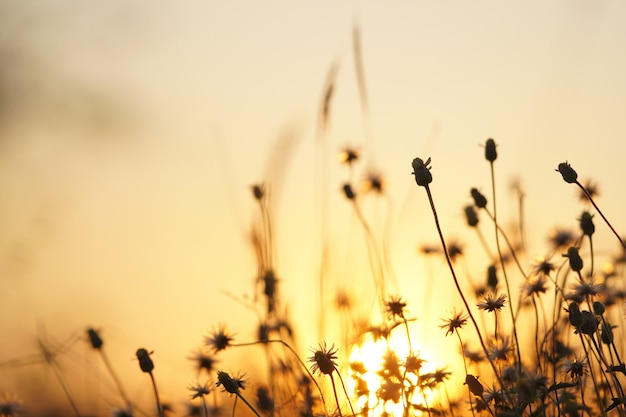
[[247, 403], [506, 280], [156, 394], [584, 190], [458, 287]]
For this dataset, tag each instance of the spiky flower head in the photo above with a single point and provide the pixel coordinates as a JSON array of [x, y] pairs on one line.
[[229, 383], [203, 361], [453, 323], [323, 359], [199, 390], [218, 339], [145, 362], [567, 172], [576, 368], [421, 170], [395, 307], [492, 303], [490, 150]]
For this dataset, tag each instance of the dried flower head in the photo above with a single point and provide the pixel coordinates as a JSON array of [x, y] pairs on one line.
[[561, 238], [264, 400], [575, 261], [218, 339], [586, 223], [576, 368], [421, 170], [375, 182], [348, 192], [349, 155], [258, 191], [535, 285], [94, 339], [490, 150], [592, 190], [470, 216], [474, 385], [492, 277], [231, 384], [492, 304], [145, 362], [395, 307], [203, 361], [199, 390], [567, 172], [10, 406], [543, 267], [455, 322], [479, 199], [500, 349], [323, 359]]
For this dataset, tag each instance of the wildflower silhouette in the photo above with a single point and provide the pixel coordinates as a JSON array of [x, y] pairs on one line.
[[234, 385], [571, 177], [219, 339], [146, 365], [323, 361]]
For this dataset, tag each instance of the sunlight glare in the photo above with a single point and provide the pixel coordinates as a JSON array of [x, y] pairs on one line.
[[378, 372]]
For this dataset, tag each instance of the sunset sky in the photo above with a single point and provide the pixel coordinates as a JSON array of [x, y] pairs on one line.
[[131, 132]]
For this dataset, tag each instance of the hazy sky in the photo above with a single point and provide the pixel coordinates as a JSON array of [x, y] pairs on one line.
[[130, 133]]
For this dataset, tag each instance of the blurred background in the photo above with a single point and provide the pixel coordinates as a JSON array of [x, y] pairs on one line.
[[131, 133]]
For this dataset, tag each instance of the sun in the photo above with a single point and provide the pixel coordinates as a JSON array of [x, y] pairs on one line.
[[388, 375]]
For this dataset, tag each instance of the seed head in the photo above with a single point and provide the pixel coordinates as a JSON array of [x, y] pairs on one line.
[[567, 172], [598, 308], [348, 192], [470, 216], [575, 316], [586, 223], [575, 261], [94, 339], [589, 325], [474, 385], [145, 362], [258, 191], [492, 277], [323, 359], [479, 200], [230, 384], [490, 150], [421, 170]]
